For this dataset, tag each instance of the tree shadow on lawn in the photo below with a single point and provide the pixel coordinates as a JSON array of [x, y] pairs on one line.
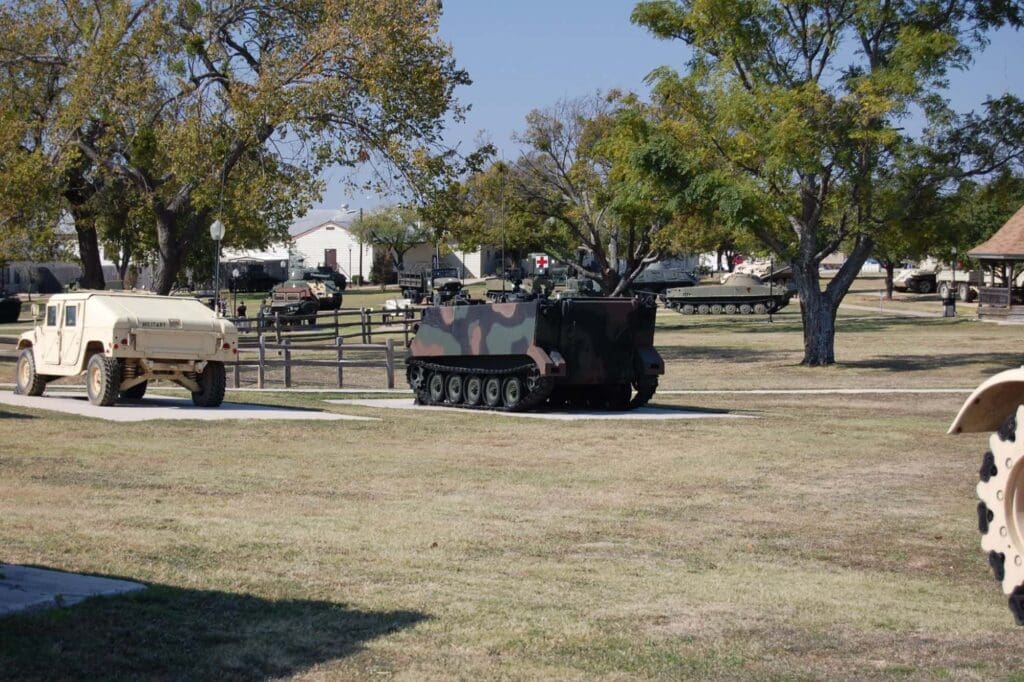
[[175, 633], [16, 415], [726, 354], [922, 363]]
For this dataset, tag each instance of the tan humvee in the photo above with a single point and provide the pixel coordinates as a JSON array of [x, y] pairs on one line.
[[124, 340]]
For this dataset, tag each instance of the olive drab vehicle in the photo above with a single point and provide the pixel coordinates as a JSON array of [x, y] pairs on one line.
[[997, 406], [743, 294], [10, 307], [542, 353], [438, 286], [305, 292]]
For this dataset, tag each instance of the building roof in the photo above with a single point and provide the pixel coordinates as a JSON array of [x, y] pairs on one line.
[[317, 218], [1007, 243]]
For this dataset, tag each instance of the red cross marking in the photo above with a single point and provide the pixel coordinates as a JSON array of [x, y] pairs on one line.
[[542, 261]]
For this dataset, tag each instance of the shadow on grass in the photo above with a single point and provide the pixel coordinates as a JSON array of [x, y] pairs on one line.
[[923, 363], [172, 633], [724, 353], [15, 415]]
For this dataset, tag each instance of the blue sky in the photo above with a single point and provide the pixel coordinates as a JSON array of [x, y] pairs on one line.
[[528, 54]]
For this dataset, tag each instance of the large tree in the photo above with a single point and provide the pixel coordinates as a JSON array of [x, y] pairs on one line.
[[804, 106], [228, 109], [395, 229]]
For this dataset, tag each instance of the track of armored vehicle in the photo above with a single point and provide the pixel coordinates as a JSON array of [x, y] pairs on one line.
[[538, 354]]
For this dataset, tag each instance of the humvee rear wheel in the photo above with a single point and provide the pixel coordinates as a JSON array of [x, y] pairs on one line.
[[746, 308], [27, 381], [454, 388], [512, 392], [435, 387], [212, 384], [1001, 510], [730, 309], [102, 377], [688, 309], [473, 390], [135, 392], [703, 309], [760, 308], [492, 391]]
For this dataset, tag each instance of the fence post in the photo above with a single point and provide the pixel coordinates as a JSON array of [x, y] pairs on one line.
[[277, 325], [341, 373], [287, 363], [336, 321], [362, 324], [238, 358], [369, 325], [261, 372], [390, 351]]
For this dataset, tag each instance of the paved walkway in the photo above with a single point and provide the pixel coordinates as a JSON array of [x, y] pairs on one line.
[[23, 588], [641, 414], [164, 407], [891, 311]]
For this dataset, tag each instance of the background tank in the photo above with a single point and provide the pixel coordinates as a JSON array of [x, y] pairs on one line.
[[580, 352], [658, 280], [743, 294]]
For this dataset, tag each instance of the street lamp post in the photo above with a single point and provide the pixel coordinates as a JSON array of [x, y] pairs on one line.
[[216, 233]]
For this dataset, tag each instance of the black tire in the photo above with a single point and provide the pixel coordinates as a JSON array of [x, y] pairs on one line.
[[492, 391], [512, 392], [473, 390], [27, 381], [454, 388], [102, 379], [435, 388], [136, 392], [944, 290], [212, 383], [617, 397]]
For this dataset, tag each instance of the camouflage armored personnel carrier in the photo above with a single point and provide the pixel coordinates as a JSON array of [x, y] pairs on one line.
[[744, 294], [123, 341], [10, 307], [998, 406], [544, 353]]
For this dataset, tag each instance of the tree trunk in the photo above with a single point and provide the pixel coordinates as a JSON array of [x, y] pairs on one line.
[[890, 267], [169, 252], [88, 250], [819, 322]]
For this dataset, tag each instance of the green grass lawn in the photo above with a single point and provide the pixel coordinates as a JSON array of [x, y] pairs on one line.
[[826, 537]]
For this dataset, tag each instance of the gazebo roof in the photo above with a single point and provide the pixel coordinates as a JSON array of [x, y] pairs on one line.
[[1007, 243]]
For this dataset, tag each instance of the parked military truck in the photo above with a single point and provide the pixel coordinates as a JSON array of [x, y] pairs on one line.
[[10, 307], [743, 294], [123, 341], [543, 353], [915, 280], [438, 286], [964, 286], [997, 406]]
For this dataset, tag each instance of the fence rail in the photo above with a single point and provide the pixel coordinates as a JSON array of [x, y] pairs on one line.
[[8, 346], [287, 349]]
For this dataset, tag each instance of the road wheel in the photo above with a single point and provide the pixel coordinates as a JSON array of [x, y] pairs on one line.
[[760, 308], [417, 377], [730, 309], [473, 390], [1001, 511], [102, 378], [688, 309], [135, 392], [492, 391], [212, 384], [716, 309], [703, 309], [512, 392], [435, 387], [454, 388], [27, 381], [746, 308]]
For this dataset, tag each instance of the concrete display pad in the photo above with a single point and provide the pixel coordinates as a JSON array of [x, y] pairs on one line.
[[641, 414], [23, 588], [165, 407]]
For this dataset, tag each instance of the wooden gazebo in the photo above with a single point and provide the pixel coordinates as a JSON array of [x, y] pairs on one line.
[[1002, 260]]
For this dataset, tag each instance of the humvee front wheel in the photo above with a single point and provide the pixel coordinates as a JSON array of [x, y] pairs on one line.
[[27, 381], [212, 384], [102, 378]]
